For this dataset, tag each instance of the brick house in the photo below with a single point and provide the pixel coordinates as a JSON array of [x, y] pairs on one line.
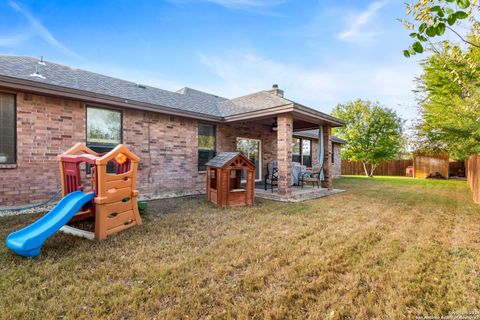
[[45, 108]]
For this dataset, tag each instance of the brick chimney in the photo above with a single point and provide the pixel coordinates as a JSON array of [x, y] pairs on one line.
[[276, 91]]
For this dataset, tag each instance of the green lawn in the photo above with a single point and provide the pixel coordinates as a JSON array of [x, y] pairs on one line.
[[387, 248]]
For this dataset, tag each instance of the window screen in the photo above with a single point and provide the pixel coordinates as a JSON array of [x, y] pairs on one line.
[[7, 128], [206, 144]]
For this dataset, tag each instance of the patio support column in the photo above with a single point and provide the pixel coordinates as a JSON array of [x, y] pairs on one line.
[[284, 153], [327, 157]]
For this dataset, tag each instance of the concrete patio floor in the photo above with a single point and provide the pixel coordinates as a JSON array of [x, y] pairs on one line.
[[298, 194]]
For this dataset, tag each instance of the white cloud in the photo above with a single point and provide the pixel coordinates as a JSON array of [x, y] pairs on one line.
[[318, 86], [246, 73], [41, 31], [356, 30], [10, 41], [255, 6], [246, 3]]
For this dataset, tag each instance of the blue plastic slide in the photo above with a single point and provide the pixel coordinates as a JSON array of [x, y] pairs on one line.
[[28, 241]]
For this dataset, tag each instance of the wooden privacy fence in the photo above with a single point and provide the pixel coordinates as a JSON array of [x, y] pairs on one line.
[[455, 167], [399, 167], [430, 163], [473, 170], [386, 168]]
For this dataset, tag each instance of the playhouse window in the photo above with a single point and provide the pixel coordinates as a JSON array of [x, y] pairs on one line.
[[213, 179], [236, 179], [7, 128], [206, 144]]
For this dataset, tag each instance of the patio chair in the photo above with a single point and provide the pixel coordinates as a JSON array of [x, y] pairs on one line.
[[271, 178], [311, 176]]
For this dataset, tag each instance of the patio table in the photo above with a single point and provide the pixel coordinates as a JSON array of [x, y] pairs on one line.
[[297, 168]]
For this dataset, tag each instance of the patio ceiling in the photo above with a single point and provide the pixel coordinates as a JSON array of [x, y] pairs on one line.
[[304, 118], [300, 122]]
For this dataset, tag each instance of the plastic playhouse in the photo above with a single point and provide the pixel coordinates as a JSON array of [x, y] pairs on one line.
[[112, 200]]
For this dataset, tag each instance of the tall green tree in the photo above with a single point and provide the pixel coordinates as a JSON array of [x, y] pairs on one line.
[[373, 133], [448, 93], [448, 90]]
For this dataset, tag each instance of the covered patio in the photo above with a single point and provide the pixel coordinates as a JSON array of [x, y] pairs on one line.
[[267, 135], [297, 194]]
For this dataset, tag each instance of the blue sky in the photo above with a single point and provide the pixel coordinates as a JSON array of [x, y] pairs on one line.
[[320, 52]]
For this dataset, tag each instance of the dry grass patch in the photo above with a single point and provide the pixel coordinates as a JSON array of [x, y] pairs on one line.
[[387, 248]]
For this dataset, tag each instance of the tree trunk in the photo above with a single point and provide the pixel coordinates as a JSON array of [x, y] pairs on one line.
[[365, 168], [372, 169]]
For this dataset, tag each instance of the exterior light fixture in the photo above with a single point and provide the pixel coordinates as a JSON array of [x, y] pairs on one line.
[[275, 125]]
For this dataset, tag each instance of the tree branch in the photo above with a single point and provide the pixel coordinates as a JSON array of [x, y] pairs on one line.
[[433, 46], [463, 39]]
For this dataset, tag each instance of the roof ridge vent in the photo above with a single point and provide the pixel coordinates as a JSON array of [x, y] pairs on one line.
[[37, 72], [41, 62]]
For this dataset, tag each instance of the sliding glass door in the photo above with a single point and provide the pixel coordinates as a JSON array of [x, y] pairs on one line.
[[252, 149]]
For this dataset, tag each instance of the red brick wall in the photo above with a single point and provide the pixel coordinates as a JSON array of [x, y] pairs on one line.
[[48, 126], [45, 127], [315, 162], [337, 165], [327, 162], [227, 136], [284, 147], [169, 163]]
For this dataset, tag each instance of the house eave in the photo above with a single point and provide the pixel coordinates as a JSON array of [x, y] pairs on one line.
[[258, 114], [34, 87], [305, 113], [317, 115]]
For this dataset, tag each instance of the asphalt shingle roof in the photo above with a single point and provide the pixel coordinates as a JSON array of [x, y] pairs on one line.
[[185, 99], [252, 102], [222, 159], [72, 78]]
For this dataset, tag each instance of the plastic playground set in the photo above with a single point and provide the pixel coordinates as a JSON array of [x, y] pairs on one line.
[[112, 200]]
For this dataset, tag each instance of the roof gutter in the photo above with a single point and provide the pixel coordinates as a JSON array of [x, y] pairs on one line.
[[91, 97], [319, 115], [306, 112], [96, 98], [260, 113]]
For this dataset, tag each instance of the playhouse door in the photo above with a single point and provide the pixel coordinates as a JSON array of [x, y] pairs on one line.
[[252, 149]]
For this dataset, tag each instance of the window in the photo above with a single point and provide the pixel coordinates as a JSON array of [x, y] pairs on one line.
[[333, 152], [307, 152], [104, 128], [206, 144], [7, 128], [104, 131], [296, 150], [252, 149], [302, 151]]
